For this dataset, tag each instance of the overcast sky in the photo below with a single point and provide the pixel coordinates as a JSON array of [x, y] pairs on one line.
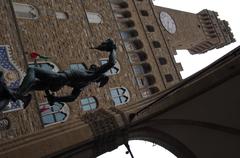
[[227, 10]]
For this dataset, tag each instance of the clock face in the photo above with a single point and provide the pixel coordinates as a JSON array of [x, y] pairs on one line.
[[168, 22]]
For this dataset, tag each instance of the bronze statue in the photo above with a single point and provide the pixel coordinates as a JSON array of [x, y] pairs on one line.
[[38, 79]]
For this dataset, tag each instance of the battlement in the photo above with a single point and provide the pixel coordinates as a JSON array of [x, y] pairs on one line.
[[217, 31]]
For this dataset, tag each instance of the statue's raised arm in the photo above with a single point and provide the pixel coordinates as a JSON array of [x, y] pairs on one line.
[[110, 47]]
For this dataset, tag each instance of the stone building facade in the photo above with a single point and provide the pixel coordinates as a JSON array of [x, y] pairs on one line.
[[146, 36]]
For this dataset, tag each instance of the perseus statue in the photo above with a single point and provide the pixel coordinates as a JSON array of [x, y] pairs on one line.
[[39, 79]]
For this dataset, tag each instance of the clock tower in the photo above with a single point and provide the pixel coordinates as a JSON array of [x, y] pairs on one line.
[[198, 33]]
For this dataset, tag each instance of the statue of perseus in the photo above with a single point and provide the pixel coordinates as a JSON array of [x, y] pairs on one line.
[[39, 79]]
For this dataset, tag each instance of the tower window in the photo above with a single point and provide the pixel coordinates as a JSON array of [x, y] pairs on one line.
[[61, 15], [89, 103], [93, 17], [25, 11], [120, 95], [156, 44], [144, 12], [169, 77], [150, 28], [162, 61], [57, 113], [113, 71]]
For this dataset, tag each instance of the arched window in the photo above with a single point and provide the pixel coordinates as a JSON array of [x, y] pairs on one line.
[[93, 17], [51, 115], [118, 4], [156, 44], [89, 103], [169, 77], [138, 57], [129, 34], [150, 28], [144, 12], [147, 80], [133, 45], [122, 14], [126, 24], [142, 69], [25, 11], [45, 65], [162, 61], [113, 71], [61, 15], [120, 95]]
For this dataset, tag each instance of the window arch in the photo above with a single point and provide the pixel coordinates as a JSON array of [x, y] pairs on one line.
[[122, 14], [93, 17], [113, 71], [147, 80], [45, 65], [126, 24], [61, 15], [57, 113], [133, 45], [138, 57], [144, 12], [150, 28], [88, 103], [156, 44], [25, 11], [129, 34], [118, 5], [120, 95], [142, 68]]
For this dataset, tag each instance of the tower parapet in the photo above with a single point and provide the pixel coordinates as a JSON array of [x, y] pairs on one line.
[[217, 31]]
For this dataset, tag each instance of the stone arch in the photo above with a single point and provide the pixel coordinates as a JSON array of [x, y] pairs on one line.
[[163, 139]]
